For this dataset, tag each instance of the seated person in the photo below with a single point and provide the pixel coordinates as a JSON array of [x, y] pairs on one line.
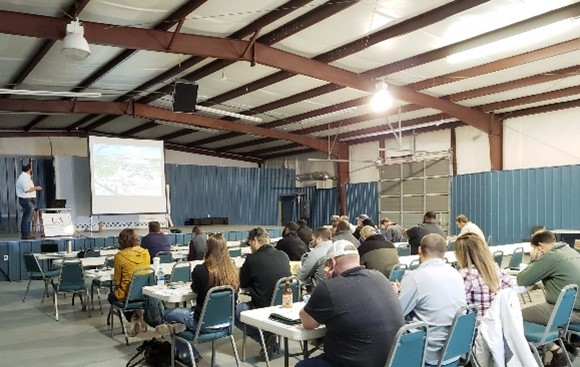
[[416, 233], [312, 270], [391, 230], [156, 241], [467, 226], [359, 224], [343, 232], [217, 269], [197, 244], [556, 265], [130, 257], [433, 293], [359, 308], [291, 244], [259, 274], [304, 232], [376, 252], [481, 275]]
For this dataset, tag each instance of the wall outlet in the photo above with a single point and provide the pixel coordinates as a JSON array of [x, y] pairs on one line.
[[5, 257]]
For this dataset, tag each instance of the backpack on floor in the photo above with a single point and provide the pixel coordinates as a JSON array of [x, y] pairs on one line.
[[153, 311], [154, 352]]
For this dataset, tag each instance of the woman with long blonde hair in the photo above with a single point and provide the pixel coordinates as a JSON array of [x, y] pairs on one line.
[[217, 269], [482, 277]]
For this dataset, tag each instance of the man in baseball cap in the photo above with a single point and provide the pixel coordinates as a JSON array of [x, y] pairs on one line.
[[360, 309]]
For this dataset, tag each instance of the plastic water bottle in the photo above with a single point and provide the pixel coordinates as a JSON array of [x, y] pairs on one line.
[[160, 278]]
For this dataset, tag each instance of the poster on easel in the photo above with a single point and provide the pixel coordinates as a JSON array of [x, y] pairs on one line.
[[57, 223]]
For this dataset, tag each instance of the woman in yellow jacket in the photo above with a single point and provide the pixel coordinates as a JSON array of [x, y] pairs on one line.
[[131, 256]]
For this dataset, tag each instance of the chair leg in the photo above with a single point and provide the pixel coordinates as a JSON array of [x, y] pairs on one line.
[[561, 344], [87, 301], [536, 354], [99, 299], [27, 288], [233, 341], [264, 346], [110, 318], [121, 316], [55, 299], [244, 337], [212, 353]]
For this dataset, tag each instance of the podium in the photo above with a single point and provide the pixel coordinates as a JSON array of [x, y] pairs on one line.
[[56, 222]]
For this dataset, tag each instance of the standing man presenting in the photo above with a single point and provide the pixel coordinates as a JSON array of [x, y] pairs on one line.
[[26, 192]]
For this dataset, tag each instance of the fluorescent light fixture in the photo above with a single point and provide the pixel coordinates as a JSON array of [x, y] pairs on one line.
[[186, 126], [75, 45], [330, 114], [49, 93], [381, 100], [514, 42], [228, 113]]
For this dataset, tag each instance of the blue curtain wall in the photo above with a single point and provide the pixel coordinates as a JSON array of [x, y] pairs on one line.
[[507, 204], [10, 169], [244, 195], [363, 198]]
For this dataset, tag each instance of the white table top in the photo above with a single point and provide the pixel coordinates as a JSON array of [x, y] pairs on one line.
[[172, 294], [565, 231], [259, 318]]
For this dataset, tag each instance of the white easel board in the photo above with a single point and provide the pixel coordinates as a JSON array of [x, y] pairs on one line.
[[57, 222]]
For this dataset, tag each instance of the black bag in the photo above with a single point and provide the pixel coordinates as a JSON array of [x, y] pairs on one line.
[[153, 312], [155, 353], [81, 254]]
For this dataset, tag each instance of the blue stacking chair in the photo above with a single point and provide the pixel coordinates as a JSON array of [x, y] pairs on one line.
[[296, 286], [461, 337], [181, 272], [404, 250], [451, 246], [71, 280], [235, 251], [107, 284], [498, 257], [165, 257], [540, 335], [216, 321], [135, 298], [397, 272], [516, 259], [35, 272], [414, 264], [409, 346]]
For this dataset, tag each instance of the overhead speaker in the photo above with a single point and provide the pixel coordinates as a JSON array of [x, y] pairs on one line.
[[184, 97]]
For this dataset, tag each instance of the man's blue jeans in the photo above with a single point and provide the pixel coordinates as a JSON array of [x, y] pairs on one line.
[[27, 205], [251, 331]]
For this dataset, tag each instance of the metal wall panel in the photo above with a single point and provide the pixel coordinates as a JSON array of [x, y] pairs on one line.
[[507, 204], [363, 198], [244, 195]]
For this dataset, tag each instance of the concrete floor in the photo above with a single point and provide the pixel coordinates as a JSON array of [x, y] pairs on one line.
[[30, 336]]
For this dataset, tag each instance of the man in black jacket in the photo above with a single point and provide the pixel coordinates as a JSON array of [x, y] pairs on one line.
[[304, 232], [291, 244], [259, 274]]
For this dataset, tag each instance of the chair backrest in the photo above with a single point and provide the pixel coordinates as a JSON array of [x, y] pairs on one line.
[[165, 257], [110, 261], [93, 252], [181, 272], [141, 278], [560, 317], [235, 251], [489, 240], [279, 289], [404, 250], [31, 263], [218, 310], [451, 246], [498, 257], [408, 348], [414, 264], [397, 272], [517, 257], [71, 276], [461, 334]]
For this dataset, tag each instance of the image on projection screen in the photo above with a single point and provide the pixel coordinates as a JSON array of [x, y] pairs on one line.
[[127, 176]]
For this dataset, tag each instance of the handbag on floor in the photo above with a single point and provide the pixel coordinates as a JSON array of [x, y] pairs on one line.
[[154, 352]]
